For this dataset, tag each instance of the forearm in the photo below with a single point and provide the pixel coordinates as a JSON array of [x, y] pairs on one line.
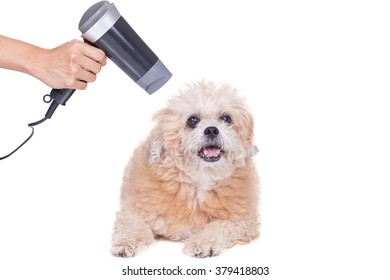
[[70, 65], [17, 55]]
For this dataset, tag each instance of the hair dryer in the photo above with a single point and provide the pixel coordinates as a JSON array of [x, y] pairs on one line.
[[102, 26]]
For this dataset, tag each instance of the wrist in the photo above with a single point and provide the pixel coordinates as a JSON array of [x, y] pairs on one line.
[[32, 61]]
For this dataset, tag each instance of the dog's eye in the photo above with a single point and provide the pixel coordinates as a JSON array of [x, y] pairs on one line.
[[226, 118], [193, 121]]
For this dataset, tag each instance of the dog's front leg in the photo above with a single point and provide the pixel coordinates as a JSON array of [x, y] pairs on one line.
[[131, 234], [219, 235]]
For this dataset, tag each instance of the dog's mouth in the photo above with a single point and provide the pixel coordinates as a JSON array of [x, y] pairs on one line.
[[211, 153]]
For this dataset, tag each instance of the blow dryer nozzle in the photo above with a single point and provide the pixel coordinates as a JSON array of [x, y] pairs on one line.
[[104, 27], [155, 78]]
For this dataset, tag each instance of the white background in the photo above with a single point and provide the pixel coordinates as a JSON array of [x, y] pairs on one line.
[[316, 74]]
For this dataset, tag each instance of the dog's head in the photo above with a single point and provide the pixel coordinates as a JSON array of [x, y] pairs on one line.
[[206, 128]]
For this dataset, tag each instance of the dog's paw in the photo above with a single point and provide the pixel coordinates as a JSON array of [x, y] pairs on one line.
[[127, 250], [199, 252], [131, 235], [195, 247], [122, 251]]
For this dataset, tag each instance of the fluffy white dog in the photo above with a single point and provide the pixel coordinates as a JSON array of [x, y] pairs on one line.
[[193, 179]]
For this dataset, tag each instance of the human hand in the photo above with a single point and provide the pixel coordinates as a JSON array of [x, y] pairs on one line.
[[70, 65]]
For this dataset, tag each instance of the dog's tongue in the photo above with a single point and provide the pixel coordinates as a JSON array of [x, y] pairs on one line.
[[211, 152]]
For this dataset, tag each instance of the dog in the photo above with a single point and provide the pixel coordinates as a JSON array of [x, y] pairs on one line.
[[193, 179]]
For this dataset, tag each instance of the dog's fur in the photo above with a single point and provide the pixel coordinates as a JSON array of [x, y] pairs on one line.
[[175, 189]]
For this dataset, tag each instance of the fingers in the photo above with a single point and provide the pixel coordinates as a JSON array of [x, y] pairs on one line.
[[80, 85], [88, 63], [94, 54], [85, 76], [81, 78]]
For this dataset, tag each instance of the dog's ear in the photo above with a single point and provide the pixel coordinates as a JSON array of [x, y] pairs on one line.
[[252, 151], [156, 152], [245, 126]]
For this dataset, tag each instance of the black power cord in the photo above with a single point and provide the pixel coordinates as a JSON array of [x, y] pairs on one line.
[[25, 141], [56, 96]]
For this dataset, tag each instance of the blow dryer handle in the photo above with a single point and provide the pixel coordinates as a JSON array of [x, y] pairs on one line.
[[57, 96], [61, 95]]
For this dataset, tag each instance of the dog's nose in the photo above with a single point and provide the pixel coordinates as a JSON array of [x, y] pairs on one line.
[[211, 132]]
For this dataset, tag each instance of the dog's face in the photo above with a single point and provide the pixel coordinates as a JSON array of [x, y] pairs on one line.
[[205, 129]]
